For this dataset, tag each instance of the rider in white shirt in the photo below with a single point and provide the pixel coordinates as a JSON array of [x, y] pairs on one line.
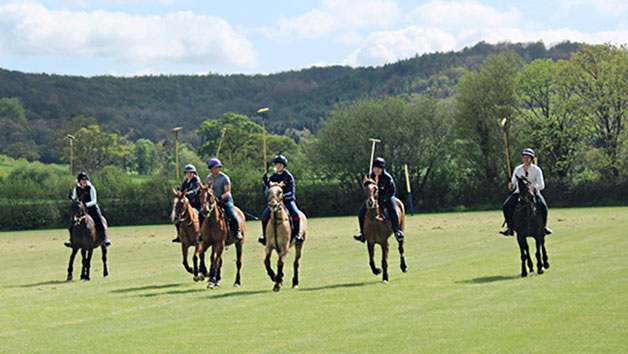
[[535, 176]]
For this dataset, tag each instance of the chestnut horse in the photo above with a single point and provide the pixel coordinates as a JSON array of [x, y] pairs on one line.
[[278, 231], [215, 234], [189, 229], [84, 237], [377, 230]]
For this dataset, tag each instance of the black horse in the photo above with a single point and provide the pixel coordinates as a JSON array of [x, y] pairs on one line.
[[528, 223], [84, 236]]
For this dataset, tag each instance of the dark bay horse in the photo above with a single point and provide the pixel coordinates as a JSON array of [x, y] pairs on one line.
[[189, 228], [215, 233], [528, 223], [278, 231], [377, 230], [84, 237]]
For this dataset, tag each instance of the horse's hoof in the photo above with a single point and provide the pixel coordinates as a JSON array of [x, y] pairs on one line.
[[277, 287], [210, 286], [540, 271], [105, 274], [377, 271], [236, 285], [218, 283], [69, 278], [546, 265], [385, 281], [295, 286], [523, 275], [404, 268], [196, 278]]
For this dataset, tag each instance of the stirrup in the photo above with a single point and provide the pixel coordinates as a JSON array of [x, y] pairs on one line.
[[359, 237], [262, 240]]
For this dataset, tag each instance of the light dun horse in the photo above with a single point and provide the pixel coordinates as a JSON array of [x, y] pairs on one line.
[[216, 234], [189, 227], [278, 231], [377, 230], [85, 238]]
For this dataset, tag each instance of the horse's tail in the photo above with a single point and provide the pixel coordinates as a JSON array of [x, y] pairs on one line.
[[402, 214]]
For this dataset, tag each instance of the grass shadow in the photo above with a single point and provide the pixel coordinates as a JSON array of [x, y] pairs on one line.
[[339, 286], [146, 287], [491, 279], [32, 285], [172, 292]]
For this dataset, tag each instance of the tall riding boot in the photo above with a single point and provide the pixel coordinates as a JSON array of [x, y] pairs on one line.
[[178, 238], [394, 220], [235, 228], [262, 239], [296, 231]]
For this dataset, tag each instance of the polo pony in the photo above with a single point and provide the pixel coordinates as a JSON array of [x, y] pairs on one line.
[[278, 232], [187, 217], [378, 229], [85, 237]]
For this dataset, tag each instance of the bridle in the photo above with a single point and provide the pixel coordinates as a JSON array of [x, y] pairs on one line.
[[276, 197], [208, 204], [370, 188], [76, 218], [527, 197]]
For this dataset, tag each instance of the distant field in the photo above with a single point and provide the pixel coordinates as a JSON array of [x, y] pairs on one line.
[[462, 293]]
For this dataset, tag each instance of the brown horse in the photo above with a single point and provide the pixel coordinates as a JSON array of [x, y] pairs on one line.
[[189, 228], [84, 237], [278, 231], [215, 234], [377, 230]]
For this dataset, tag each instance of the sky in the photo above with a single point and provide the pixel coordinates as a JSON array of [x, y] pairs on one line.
[[141, 37]]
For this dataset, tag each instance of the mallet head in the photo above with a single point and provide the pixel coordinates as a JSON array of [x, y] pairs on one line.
[[263, 110], [503, 123], [177, 129], [373, 140]]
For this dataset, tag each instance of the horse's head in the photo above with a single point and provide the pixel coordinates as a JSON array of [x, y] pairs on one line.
[[78, 211], [275, 195], [525, 191], [179, 204], [208, 199], [370, 190]]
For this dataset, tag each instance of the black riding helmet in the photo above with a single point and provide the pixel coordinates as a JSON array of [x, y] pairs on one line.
[[379, 162], [82, 176], [281, 159]]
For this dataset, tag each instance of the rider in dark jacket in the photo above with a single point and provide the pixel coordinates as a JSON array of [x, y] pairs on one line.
[[289, 198], [86, 192], [386, 190], [192, 185]]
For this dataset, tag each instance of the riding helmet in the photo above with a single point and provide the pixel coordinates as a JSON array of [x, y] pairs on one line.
[[379, 162], [281, 159], [189, 168], [214, 162], [82, 176], [529, 152]]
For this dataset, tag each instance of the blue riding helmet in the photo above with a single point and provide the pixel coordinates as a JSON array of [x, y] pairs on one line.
[[214, 162], [529, 152], [189, 168], [281, 159]]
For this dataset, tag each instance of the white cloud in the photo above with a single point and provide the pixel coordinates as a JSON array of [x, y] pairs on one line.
[[181, 37], [334, 16], [457, 15], [607, 6], [389, 46]]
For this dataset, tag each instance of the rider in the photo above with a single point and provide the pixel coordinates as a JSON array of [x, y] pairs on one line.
[[386, 198], [289, 189], [86, 192], [191, 183], [535, 175], [222, 190]]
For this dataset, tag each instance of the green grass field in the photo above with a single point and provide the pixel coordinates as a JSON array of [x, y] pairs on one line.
[[462, 293]]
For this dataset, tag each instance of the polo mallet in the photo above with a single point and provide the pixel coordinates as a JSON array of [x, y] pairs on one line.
[[502, 124], [71, 159], [176, 147], [264, 113], [374, 141], [405, 167], [224, 130]]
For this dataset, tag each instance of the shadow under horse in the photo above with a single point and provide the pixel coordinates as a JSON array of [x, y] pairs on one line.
[[377, 230], [527, 222], [85, 237]]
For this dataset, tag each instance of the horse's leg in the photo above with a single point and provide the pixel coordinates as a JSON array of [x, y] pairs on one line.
[[385, 262], [297, 257], [545, 258], [103, 249], [71, 265], [213, 272], [539, 264], [528, 257], [203, 267], [371, 248], [238, 246], [280, 262], [221, 249], [403, 266], [197, 252], [83, 258], [184, 251], [521, 240], [88, 263], [269, 270]]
